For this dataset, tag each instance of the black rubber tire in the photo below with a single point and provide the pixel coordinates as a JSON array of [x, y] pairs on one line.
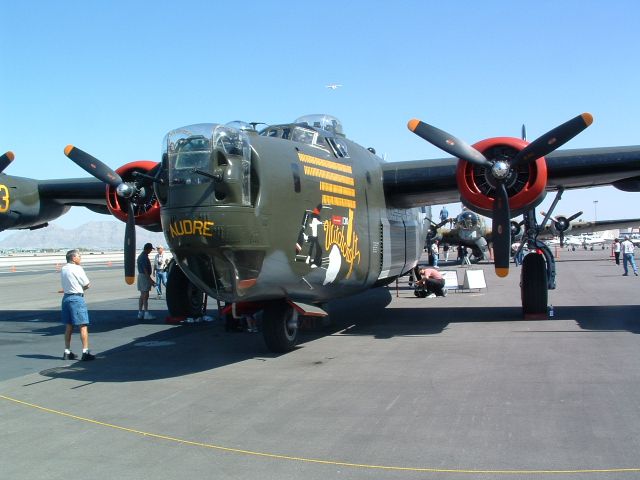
[[533, 284], [280, 326], [184, 299]]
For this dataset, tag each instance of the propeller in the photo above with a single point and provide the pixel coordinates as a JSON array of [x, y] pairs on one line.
[[104, 173], [516, 227], [501, 169], [501, 231], [448, 143], [5, 160], [130, 246], [562, 224], [553, 139]]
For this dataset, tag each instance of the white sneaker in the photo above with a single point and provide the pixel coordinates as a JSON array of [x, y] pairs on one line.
[[431, 295], [140, 315], [148, 316]]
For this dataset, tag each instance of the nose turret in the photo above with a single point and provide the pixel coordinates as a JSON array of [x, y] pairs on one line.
[[208, 164]]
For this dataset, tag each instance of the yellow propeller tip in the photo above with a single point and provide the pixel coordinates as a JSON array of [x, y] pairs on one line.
[[588, 118], [10, 156], [413, 124], [67, 149], [502, 272], [129, 280]]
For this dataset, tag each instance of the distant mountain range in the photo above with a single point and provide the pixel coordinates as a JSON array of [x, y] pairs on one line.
[[105, 235]]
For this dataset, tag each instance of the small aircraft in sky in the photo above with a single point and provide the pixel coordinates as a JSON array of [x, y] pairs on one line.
[[285, 219], [334, 86]]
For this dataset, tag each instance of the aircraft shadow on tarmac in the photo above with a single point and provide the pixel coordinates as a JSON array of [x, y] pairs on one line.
[[192, 348], [101, 320], [419, 321]]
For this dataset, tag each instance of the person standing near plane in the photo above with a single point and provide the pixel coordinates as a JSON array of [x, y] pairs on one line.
[[74, 309], [444, 213], [627, 257], [616, 250], [465, 256], [435, 253], [445, 249], [145, 282], [160, 262]]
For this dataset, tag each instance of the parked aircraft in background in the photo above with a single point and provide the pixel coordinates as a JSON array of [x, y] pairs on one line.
[[472, 231], [586, 241], [26, 203], [285, 219]]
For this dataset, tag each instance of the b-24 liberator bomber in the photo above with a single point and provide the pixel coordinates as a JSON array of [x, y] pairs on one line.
[[287, 218]]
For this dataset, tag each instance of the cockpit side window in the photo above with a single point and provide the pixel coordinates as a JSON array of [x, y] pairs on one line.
[[338, 146], [303, 135]]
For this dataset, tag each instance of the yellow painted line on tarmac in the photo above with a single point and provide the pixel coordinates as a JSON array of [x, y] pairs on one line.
[[315, 460]]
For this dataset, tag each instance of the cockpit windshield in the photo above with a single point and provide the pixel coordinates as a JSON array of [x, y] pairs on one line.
[[320, 131], [324, 122]]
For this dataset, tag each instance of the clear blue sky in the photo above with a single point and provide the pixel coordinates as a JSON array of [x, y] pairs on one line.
[[112, 77]]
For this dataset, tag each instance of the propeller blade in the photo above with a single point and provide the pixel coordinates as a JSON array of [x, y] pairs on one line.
[[5, 160], [93, 166], [553, 139], [561, 239], [574, 216], [448, 143], [130, 247], [501, 231]]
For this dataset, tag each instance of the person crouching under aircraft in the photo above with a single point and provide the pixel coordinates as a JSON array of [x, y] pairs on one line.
[[433, 282]]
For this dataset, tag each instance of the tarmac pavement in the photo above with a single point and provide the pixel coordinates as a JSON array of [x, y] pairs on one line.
[[397, 387]]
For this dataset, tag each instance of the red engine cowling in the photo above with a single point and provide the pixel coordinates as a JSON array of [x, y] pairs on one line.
[[525, 186], [146, 206]]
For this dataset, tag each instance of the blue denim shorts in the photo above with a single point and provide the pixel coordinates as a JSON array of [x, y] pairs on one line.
[[74, 310]]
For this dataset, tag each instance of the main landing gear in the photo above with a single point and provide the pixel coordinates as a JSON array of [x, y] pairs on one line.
[[184, 299], [279, 318], [534, 286], [538, 274], [280, 326], [279, 321]]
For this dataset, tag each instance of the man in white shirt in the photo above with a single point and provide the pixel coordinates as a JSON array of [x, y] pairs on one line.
[[73, 308], [627, 257], [435, 253], [160, 264]]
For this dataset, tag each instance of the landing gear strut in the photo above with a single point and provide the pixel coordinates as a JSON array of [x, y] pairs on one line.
[[538, 274]]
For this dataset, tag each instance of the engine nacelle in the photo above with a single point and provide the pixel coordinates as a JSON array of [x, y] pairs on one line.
[[147, 207], [525, 185]]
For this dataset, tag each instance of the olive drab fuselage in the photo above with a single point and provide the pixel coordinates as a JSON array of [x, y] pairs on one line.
[[259, 216]]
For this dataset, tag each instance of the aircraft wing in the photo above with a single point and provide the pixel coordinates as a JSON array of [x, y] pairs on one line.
[[29, 203], [601, 225], [433, 182]]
